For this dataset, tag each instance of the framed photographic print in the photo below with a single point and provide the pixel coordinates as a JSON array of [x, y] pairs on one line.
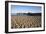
[[24, 16]]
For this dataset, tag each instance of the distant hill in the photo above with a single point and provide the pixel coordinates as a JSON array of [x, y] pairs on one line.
[[25, 14]]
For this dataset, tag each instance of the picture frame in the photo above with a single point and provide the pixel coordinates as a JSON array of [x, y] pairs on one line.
[[8, 14]]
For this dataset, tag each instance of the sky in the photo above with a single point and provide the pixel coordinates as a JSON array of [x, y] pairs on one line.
[[25, 9]]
